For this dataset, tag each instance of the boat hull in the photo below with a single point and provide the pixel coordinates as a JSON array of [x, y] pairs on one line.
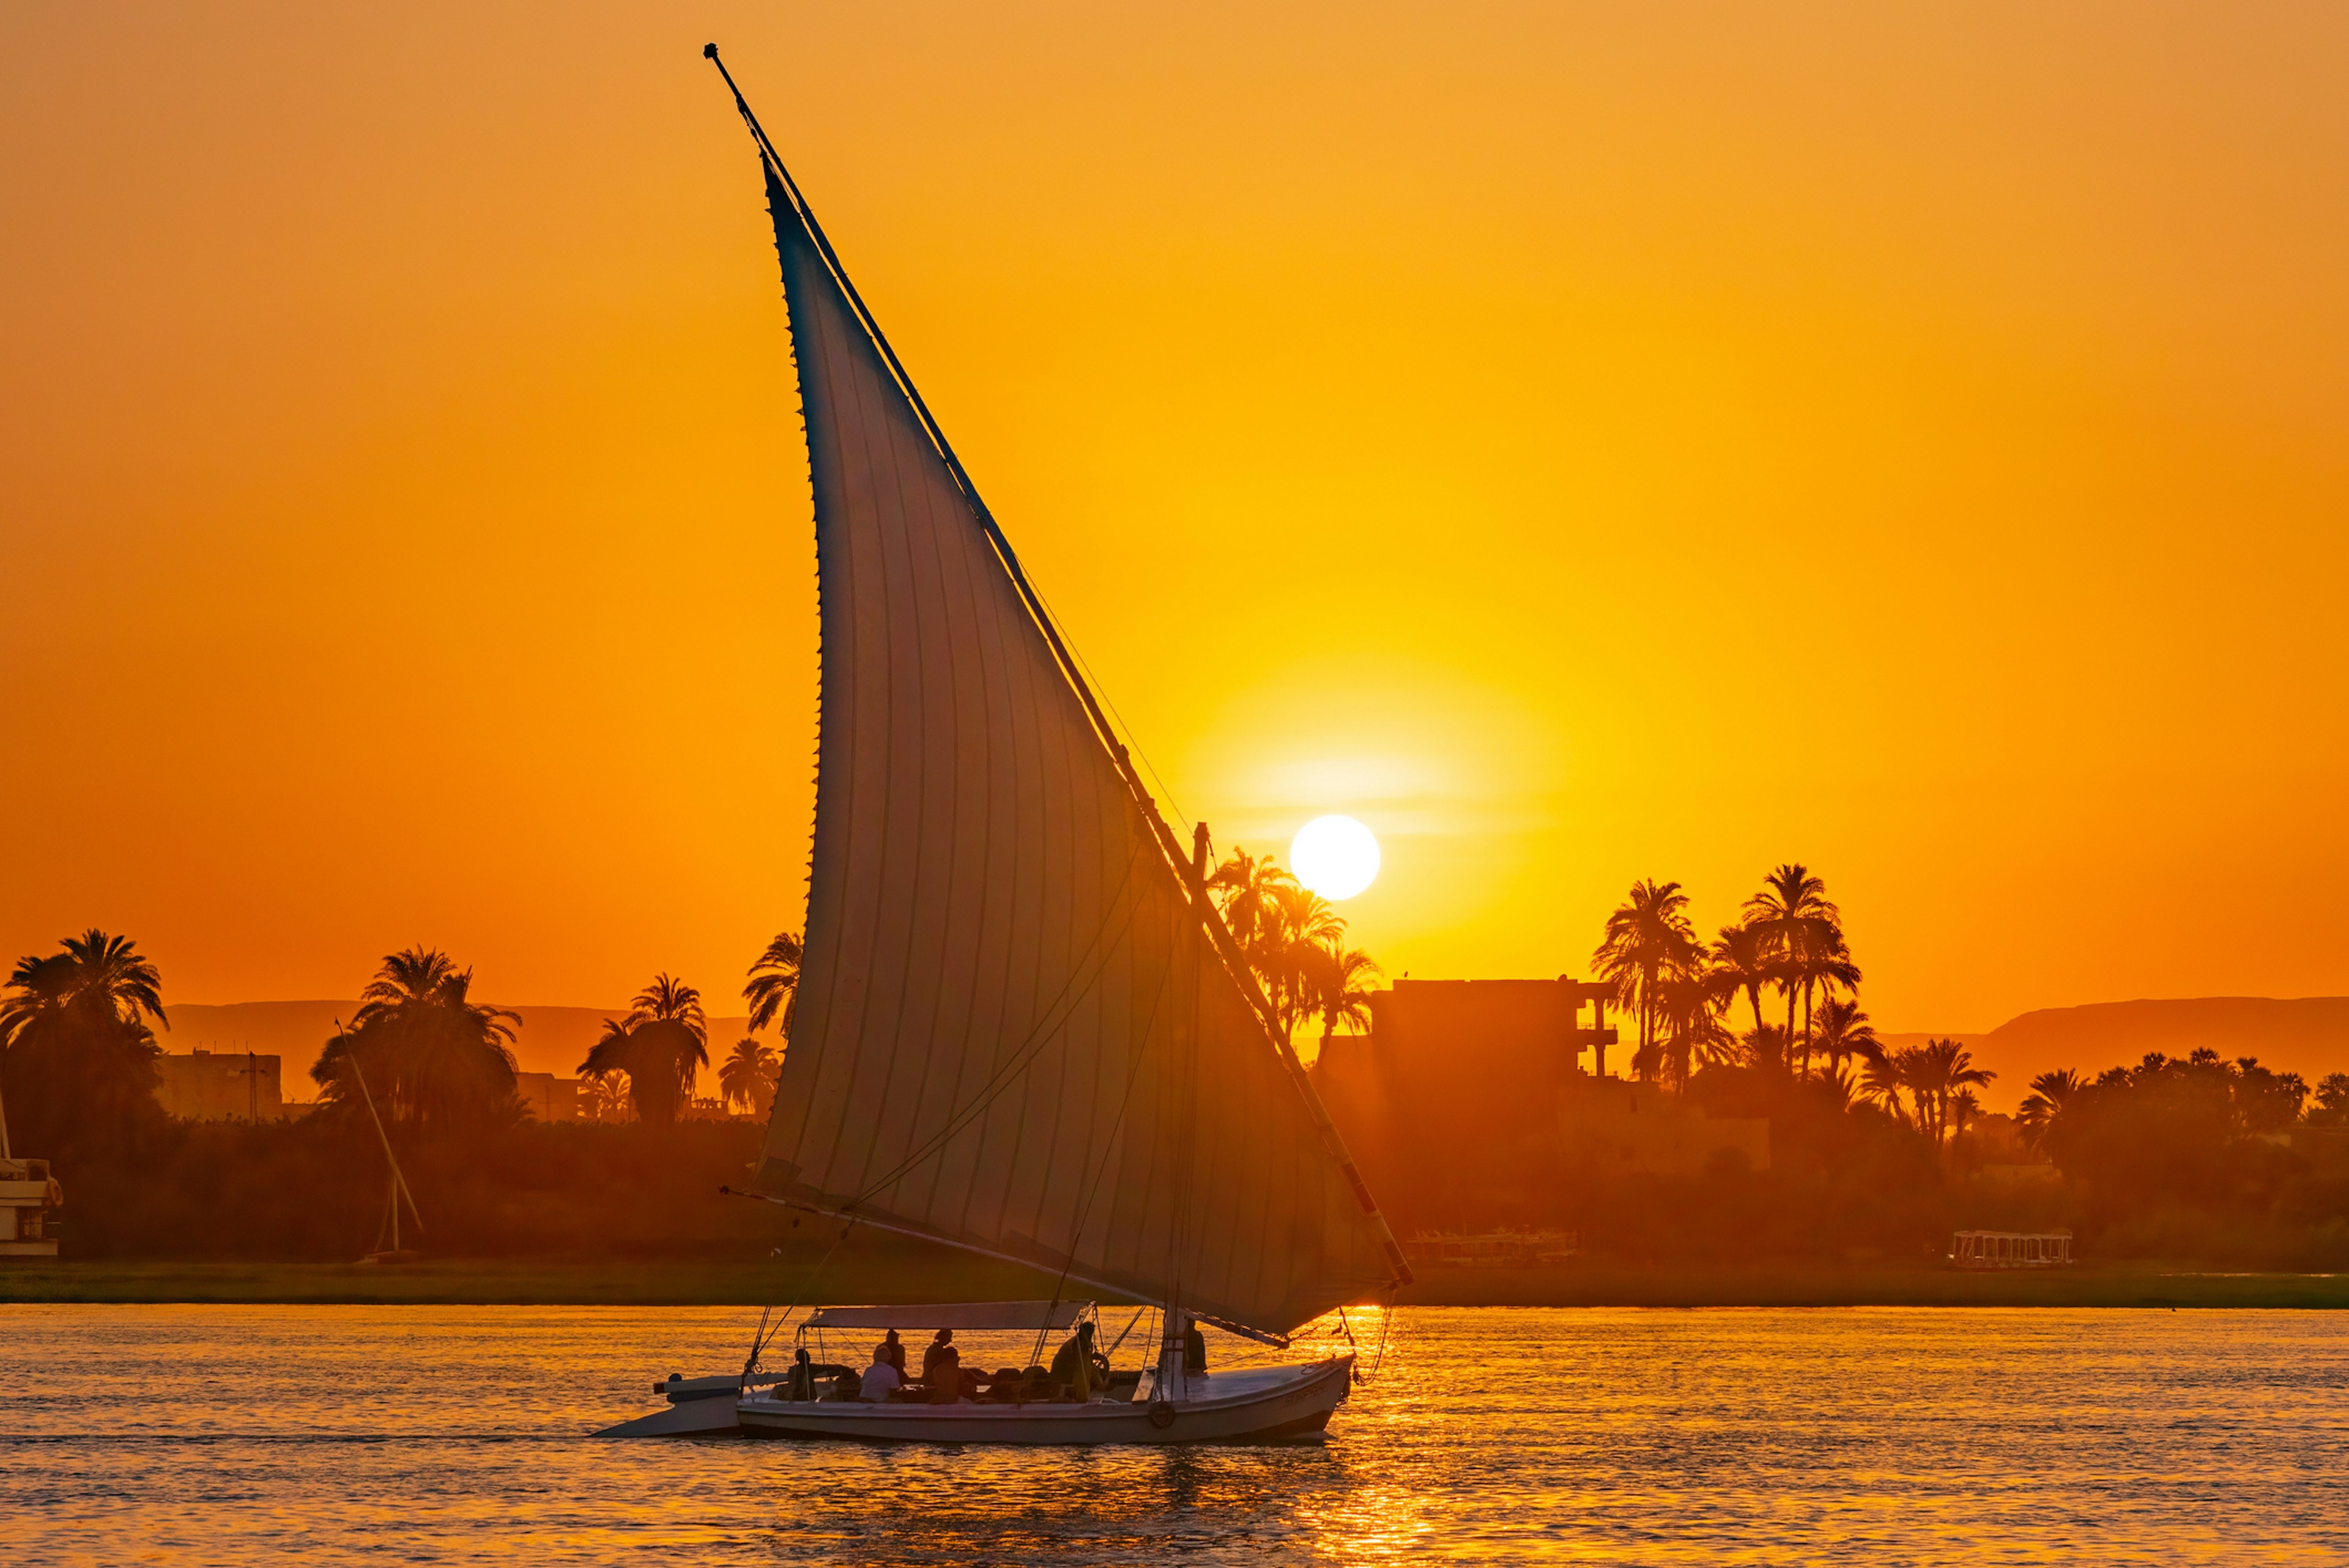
[[1251, 1405], [698, 1407], [693, 1419]]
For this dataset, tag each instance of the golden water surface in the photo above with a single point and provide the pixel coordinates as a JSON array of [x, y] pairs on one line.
[[239, 1434]]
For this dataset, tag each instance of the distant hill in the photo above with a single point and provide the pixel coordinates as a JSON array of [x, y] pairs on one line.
[[552, 1039], [2309, 1035]]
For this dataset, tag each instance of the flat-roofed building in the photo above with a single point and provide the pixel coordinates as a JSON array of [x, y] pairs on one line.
[[27, 1193], [1614, 1125], [1473, 1101], [221, 1086], [1450, 1103], [550, 1098]]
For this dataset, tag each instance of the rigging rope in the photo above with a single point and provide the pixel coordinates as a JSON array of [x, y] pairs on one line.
[[761, 1339], [1001, 1080], [1093, 1190], [1386, 1320]]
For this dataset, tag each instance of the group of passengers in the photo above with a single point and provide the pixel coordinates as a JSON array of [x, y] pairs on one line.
[[1080, 1371]]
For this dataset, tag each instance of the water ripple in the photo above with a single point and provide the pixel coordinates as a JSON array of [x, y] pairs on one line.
[[234, 1435]]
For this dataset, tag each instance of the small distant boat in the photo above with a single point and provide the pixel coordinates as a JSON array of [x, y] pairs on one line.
[[1491, 1249], [1022, 1028], [2011, 1249]]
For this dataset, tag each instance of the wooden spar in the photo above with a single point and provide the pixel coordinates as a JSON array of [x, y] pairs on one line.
[[1227, 950], [1261, 1336]]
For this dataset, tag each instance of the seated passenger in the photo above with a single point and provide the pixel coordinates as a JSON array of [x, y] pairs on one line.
[[942, 1370], [890, 1351], [880, 1378], [801, 1384], [1078, 1367], [848, 1386], [1194, 1346]]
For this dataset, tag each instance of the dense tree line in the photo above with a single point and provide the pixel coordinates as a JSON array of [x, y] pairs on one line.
[[1684, 996]]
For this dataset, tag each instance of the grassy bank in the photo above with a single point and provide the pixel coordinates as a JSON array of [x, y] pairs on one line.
[[548, 1281], [1792, 1284], [700, 1282]]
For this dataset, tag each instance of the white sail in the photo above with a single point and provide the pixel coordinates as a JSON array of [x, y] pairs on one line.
[[1013, 1031]]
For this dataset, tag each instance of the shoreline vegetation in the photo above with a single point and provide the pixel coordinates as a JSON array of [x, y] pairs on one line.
[[2193, 1182], [703, 1282]]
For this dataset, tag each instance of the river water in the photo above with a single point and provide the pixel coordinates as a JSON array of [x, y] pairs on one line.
[[239, 1434]]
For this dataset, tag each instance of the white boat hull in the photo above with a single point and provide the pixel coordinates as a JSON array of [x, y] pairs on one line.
[[698, 1407], [1256, 1404]]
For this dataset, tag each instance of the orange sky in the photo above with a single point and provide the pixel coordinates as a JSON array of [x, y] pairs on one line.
[[1585, 442]]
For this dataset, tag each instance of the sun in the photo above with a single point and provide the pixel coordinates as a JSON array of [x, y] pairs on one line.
[[1336, 857]]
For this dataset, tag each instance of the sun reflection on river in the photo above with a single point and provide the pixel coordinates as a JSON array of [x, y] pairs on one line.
[[234, 1435]]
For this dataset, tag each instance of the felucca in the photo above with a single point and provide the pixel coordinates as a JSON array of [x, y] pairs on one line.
[[1021, 1029]]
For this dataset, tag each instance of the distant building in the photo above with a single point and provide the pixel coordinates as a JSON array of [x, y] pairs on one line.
[[221, 1086], [1473, 1100], [1618, 1126], [550, 1098], [27, 1193], [1450, 1103]]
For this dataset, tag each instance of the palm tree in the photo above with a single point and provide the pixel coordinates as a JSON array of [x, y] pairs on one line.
[[1793, 912], [78, 1042], [774, 984], [1882, 1076], [2050, 1093], [1693, 1032], [1934, 1072], [615, 1054], [1303, 920], [430, 1054], [1741, 963], [104, 974], [1965, 1106], [1243, 888], [747, 1075], [1338, 984], [602, 1098], [660, 1045], [1648, 937], [1845, 1032]]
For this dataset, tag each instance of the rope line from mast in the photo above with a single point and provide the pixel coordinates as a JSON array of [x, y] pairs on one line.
[[1000, 1082], [1109, 1146], [761, 1339]]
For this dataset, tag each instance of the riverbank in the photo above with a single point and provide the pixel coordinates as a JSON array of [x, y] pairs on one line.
[[1598, 1283], [697, 1283]]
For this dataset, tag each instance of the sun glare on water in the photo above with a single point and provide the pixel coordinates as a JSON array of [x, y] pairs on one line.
[[1336, 857]]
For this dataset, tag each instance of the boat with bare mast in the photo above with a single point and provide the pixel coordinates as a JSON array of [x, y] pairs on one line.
[[387, 1249], [1021, 1029]]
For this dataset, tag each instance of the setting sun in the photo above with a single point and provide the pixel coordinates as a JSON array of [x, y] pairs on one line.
[[1336, 857]]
